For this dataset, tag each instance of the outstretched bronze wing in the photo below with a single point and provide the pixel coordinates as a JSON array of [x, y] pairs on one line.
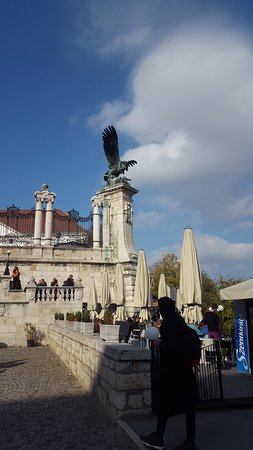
[[111, 146]]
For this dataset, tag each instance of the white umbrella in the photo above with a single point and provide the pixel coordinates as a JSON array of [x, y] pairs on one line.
[[179, 303], [190, 279], [142, 286], [163, 288], [119, 294], [105, 294], [92, 299]]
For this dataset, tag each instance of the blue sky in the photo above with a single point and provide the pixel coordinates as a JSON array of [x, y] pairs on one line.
[[175, 77]]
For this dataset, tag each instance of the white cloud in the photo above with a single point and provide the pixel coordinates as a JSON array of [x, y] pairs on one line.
[[241, 207], [242, 226], [108, 114], [190, 114], [149, 219], [216, 256], [127, 42]]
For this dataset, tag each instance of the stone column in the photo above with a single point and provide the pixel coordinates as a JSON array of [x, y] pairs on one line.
[[40, 198], [38, 220], [96, 221], [49, 218], [106, 229]]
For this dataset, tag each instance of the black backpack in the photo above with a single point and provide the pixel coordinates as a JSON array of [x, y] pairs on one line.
[[192, 345]]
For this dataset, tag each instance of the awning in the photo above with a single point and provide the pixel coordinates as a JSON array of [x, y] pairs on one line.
[[239, 291]]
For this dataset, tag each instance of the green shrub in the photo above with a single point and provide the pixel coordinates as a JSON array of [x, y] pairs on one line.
[[72, 316], [108, 318], [78, 316], [86, 316], [56, 316], [30, 330], [61, 316]]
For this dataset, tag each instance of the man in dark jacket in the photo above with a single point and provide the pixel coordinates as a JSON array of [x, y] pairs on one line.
[[176, 390]]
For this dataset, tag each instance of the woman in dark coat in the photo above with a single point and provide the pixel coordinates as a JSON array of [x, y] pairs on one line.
[[16, 278], [176, 390]]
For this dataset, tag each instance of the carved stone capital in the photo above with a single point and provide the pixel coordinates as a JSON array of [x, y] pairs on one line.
[[96, 202]]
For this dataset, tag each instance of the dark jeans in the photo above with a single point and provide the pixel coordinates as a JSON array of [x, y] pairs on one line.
[[190, 422]]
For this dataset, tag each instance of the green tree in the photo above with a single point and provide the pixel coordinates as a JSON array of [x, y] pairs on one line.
[[227, 316], [209, 292], [169, 266]]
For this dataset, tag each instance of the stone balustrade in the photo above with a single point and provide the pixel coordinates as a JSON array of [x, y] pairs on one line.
[[59, 294], [118, 374]]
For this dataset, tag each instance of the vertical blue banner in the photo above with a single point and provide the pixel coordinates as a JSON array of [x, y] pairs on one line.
[[242, 346]]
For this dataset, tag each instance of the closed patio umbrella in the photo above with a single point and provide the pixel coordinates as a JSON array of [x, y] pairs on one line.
[[142, 287], [190, 279], [105, 294], [163, 288], [179, 303], [119, 294], [92, 299]]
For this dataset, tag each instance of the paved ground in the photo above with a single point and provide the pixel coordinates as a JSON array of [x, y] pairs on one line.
[[216, 430], [228, 427], [43, 407]]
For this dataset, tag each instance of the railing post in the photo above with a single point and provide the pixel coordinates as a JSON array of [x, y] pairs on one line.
[[218, 353]]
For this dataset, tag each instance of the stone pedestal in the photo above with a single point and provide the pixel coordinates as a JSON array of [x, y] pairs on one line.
[[118, 221]]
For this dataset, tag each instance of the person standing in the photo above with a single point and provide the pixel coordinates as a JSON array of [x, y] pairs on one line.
[[54, 282], [176, 388], [16, 278], [68, 282], [212, 320]]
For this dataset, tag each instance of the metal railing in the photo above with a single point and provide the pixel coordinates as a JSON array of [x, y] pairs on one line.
[[69, 230], [208, 373]]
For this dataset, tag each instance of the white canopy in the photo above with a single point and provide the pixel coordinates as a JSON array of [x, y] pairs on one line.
[[240, 291]]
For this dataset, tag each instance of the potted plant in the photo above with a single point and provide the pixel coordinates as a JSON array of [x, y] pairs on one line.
[[59, 320], [78, 316], [86, 325], [56, 319], [30, 333], [71, 323], [108, 330]]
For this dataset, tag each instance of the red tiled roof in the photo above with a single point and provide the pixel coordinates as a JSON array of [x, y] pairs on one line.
[[22, 221]]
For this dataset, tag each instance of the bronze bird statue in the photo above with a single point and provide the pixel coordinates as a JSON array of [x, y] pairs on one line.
[[111, 149]]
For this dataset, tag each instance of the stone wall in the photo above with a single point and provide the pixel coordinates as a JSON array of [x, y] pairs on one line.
[[16, 308], [118, 374], [41, 262]]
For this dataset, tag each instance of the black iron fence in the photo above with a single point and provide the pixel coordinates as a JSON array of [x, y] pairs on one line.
[[72, 230], [69, 229], [16, 228], [208, 374]]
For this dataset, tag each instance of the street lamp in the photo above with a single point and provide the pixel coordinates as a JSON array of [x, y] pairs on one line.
[[7, 270]]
